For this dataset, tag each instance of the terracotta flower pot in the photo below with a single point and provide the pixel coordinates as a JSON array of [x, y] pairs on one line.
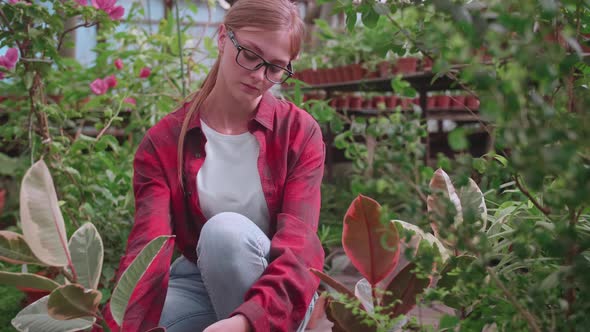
[[378, 102], [391, 102], [357, 71], [472, 103], [384, 69], [458, 102], [405, 103], [367, 103], [431, 102], [427, 64], [406, 65], [342, 102], [355, 102], [443, 102]]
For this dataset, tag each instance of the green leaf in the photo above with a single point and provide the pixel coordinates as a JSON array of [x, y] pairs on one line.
[[438, 204], [36, 318], [42, 222], [73, 301], [448, 322], [458, 140], [27, 280], [350, 20], [14, 249], [381, 8], [8, 165], [362, 240], [344, 318], [450, 276], [473, 202], [402, 87], [369, 16], [87, 255], [132, 275], [417, 231]]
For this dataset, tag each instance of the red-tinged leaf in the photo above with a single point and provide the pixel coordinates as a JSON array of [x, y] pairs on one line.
[[2, 199], [404, 287], [372, 246], [339, 287], [73, 301], [344, 320], [14, 249]]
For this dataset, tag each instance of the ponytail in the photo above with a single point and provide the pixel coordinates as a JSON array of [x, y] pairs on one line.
[[197, 101]]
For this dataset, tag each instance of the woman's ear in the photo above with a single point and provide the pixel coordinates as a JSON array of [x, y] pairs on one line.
[[221, 38]]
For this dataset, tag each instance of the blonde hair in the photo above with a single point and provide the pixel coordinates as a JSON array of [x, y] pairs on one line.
[[272, 15]]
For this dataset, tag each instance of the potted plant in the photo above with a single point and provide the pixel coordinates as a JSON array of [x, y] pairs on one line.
[[73, 305]]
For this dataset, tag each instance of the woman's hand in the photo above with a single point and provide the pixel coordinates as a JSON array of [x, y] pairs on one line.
[[237, 323]]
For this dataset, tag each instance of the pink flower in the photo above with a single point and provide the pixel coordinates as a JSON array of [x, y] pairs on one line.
[[145, 72], [99, 86], [116, 12], [10, 59], [14, 2], [103, 4], [119, 64], [130, 100], [1, 75], [111, 81]]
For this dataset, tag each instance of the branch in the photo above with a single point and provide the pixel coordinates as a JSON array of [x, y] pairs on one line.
[[7, 24], [63, 34], [546, 211], [525, 313]]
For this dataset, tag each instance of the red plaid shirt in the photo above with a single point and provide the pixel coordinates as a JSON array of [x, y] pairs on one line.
[[291, 165]]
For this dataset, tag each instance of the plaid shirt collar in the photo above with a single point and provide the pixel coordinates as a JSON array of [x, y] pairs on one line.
[[265, 114]]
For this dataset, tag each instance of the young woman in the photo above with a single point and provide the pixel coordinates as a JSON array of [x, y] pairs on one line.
[[235, 175]]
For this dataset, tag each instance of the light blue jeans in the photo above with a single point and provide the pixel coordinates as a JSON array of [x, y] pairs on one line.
[[233, 253]]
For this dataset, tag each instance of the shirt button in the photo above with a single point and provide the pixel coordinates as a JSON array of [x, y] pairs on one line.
[[198, 155]]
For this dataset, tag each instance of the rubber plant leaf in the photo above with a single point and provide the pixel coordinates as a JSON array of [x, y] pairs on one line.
[[28, 281], [73, 301], [87, 253], [35, 318], [42, 222], [403, 290], [372, 246], [15, 250]]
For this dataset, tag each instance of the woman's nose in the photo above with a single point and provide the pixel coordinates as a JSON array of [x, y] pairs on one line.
[[258, 74]]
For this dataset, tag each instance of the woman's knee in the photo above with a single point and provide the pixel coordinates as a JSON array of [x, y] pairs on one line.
[[230, 234]]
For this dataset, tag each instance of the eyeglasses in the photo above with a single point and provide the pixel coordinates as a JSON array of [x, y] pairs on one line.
[[250, 60]]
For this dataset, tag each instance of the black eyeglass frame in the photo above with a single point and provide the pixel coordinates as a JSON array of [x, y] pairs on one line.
[[266, 64]]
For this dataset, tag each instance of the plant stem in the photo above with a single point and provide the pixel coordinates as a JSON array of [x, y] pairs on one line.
[[546, 211], [570, 294], [180, 55], [63, 34], [525, 313]]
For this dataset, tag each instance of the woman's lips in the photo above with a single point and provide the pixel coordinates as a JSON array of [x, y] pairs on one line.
[[250, 87]]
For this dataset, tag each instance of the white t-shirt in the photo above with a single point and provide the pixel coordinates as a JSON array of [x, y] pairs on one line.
[[228, 180]]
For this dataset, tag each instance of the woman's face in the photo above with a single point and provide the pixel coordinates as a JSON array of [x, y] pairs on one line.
[[249, 85]]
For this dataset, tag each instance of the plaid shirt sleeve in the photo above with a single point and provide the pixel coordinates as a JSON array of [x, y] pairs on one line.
[[279, 300], [152, 219]]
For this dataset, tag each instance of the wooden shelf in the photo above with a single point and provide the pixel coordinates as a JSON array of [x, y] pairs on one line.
[[460, 115], [421, 81]]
